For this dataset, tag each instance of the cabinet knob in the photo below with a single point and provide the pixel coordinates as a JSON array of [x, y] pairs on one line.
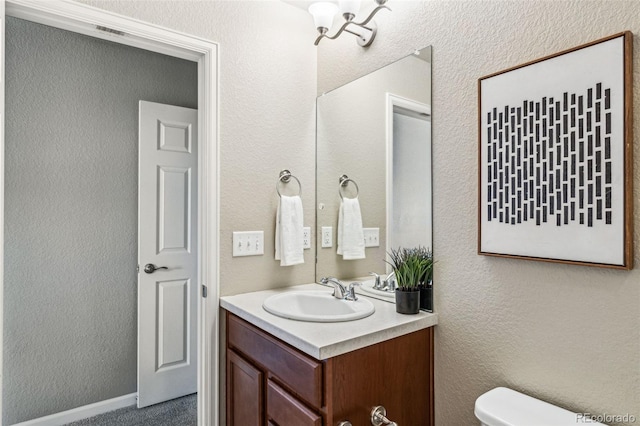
[[345, 423]]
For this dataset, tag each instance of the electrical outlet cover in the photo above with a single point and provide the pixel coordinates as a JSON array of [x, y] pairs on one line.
[[327, 236], [306, 237]]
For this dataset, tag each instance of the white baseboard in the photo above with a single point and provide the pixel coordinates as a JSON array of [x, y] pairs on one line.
[[83, 412]]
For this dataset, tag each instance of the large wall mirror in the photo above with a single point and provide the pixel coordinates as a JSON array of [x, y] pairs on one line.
[[375, 131]]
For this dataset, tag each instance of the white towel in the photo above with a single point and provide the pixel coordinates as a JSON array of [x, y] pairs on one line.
[[350, 233], [289, 224]]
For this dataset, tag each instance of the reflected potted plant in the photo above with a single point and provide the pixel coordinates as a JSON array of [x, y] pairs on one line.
[[409, 267], [426, 282]]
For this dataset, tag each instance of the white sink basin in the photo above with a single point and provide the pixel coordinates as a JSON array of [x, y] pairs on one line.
[[367, 287], [317, 306]]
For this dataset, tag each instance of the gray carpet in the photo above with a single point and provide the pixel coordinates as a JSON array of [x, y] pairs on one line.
[[177, 412]]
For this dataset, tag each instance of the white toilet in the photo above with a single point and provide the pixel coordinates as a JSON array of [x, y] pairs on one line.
[[506, 407]]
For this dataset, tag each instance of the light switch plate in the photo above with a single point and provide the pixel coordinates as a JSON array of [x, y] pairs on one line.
[[306, 237], [248, 243], [371, 237], [327, 236]]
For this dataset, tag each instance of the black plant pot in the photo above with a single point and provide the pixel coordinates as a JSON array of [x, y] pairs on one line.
[[407, 302], [426, 298]]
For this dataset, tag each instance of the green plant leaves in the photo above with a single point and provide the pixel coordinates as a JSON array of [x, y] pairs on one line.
[[411, 266]]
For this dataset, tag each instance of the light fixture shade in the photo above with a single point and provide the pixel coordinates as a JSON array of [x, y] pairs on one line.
[[323, 13], [349, 6]]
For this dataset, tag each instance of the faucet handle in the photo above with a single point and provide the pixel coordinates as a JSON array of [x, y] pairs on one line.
[[376, 284], [389, 284], [351, 291]]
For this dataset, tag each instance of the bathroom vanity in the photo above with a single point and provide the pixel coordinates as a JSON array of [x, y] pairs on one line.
[[284, 372]]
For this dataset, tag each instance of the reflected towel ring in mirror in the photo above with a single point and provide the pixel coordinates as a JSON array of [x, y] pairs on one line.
[[285, 177], [344, 181]]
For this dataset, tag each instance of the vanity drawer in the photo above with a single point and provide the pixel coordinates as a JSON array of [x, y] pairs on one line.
[[284, 409], [301, 373]]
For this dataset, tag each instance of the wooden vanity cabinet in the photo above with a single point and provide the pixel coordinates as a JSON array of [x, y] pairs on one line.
[[271, 383]]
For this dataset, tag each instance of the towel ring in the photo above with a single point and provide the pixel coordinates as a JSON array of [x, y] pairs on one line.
[[285, 177], [344, 181]]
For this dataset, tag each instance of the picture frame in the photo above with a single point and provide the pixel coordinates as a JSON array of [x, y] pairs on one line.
[[555, 161]]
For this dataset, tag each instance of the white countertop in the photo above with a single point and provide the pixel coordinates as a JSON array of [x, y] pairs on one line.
[[326, 340]]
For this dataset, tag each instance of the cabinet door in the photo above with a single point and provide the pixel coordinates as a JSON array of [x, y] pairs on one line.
[[286, 410], [245, 399], [396, 373]]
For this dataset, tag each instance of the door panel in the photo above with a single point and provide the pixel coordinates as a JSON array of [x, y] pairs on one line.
[[174, 210], [173, 323], [175, 136], [167, 296]]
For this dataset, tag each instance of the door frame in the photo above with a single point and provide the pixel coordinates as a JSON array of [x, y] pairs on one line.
[[392, 101], [80, 18]]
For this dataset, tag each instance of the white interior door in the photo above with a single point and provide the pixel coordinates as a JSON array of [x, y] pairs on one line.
[[167, 257]]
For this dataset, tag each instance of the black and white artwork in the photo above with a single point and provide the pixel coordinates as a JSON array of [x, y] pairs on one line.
[[552, 157]]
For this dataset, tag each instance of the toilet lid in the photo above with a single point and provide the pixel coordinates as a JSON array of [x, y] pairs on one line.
[[506, 407]]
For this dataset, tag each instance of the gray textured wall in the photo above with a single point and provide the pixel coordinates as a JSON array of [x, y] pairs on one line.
[[71, 213]]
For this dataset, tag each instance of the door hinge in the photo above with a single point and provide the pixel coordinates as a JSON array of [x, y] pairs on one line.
[[204, 290]]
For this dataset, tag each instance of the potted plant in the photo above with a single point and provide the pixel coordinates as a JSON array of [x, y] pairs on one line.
[[409, 267], [426, 281]]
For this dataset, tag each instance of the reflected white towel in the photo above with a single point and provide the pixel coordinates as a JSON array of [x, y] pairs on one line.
[[350, 233], [289, 224]]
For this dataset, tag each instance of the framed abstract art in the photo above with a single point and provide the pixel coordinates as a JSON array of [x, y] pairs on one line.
[[555, 157]]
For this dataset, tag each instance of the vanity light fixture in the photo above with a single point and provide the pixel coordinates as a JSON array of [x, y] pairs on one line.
[[323, 13]]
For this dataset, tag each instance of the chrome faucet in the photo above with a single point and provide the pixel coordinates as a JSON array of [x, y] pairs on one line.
[[339, 290]]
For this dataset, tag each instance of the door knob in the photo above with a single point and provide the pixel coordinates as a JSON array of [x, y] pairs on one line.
[[150, 268]]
